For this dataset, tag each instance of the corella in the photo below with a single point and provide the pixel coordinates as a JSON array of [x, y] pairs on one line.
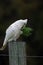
[[14, 31]]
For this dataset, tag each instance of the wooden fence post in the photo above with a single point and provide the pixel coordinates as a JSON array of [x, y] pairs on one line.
[[17, 53]]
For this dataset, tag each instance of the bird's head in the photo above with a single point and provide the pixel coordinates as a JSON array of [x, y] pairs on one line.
[[25, 21]]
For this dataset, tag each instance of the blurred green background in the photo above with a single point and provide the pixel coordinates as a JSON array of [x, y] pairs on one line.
[[12, 10]]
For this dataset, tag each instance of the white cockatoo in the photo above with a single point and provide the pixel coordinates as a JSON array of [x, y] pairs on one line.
[[13, 32]]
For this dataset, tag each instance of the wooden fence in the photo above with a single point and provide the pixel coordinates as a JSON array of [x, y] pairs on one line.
[[17, 53]]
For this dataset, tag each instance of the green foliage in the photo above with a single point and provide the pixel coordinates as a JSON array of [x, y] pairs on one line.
[[26, 31]]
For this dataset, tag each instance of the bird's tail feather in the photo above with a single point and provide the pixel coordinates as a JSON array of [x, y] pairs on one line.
[[4, 44]]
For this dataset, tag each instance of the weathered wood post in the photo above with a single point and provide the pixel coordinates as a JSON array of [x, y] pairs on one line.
[[17, 53]]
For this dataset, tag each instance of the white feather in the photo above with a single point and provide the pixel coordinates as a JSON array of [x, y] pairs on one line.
[[13, 32]]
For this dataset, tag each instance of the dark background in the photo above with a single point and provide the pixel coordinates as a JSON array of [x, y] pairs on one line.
[[12, 10]]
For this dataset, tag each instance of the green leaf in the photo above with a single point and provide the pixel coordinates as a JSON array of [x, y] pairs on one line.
[[26, 31]]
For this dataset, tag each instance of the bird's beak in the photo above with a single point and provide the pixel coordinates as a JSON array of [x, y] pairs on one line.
[[25, 21]]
